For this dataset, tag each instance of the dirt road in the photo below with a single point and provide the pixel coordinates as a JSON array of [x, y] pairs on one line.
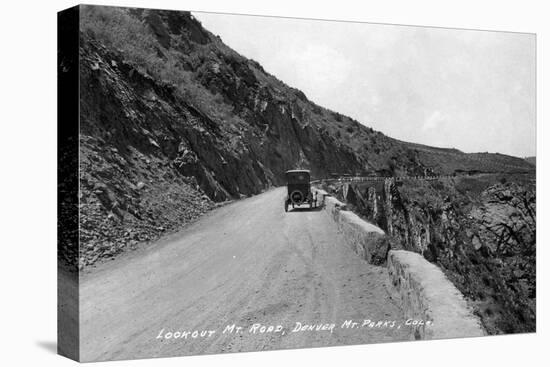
[[243, 264]]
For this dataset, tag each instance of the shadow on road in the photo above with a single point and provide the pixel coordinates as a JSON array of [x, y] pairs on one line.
[[298, 210]]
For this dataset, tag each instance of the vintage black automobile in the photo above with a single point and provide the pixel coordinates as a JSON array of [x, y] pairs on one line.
[[299, 189]]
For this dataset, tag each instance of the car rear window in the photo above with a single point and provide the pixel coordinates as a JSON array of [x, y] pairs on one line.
[[298, 177]]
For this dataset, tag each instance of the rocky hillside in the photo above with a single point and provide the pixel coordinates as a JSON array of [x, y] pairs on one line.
[[174, 121], [481, 230]]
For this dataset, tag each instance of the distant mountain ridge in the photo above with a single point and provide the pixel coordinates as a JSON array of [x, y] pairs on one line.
[[532, 160]]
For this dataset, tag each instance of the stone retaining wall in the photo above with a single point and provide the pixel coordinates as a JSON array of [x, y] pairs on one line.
[[367, 240], [426, 293]]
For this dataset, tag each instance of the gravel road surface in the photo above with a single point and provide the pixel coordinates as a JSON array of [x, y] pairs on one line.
[[247, 264]]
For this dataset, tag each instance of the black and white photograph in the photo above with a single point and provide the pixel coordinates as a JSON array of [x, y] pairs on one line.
[[274, 183], [244, 183]]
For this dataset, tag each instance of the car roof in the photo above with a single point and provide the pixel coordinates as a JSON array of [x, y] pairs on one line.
[[298, 171]]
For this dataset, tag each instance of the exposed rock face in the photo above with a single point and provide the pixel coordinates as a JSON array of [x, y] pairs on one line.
[[480, 230]]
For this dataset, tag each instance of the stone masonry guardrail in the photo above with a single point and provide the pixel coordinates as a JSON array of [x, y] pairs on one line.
[[426, 293]]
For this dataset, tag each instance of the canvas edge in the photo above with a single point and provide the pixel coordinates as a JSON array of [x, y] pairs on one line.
[[68, 329]]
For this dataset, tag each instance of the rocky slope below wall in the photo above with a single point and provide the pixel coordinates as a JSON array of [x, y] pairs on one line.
[[480, 230]]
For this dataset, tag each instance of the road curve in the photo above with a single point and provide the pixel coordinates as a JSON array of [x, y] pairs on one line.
[[246, 263]]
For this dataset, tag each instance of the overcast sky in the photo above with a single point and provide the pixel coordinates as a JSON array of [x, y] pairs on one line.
[[472, 90]]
